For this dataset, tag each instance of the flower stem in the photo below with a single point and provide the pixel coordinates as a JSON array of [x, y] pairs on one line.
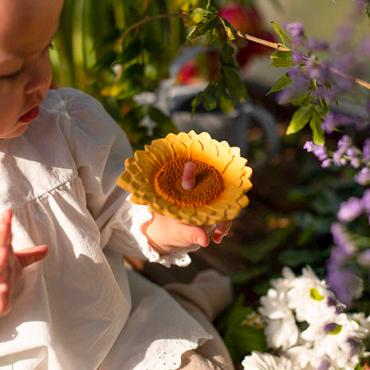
[[280, 47], [147, 20]]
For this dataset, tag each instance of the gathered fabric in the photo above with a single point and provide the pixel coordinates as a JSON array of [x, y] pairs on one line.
[[77, 308]]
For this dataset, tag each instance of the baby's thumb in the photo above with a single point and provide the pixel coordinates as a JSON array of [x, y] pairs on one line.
[[188, 178], [28, 256]]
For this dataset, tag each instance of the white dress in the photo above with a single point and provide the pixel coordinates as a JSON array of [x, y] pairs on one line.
[[74, 310]]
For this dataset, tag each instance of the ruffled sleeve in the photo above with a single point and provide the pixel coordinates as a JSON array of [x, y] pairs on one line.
[[99, 147]]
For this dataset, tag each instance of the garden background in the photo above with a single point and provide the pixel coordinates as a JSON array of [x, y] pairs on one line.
[[163, 66]]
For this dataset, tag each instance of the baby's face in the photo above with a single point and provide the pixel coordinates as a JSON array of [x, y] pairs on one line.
[[26, 30]]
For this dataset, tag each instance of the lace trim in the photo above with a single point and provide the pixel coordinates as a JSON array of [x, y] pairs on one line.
[[140, 215]]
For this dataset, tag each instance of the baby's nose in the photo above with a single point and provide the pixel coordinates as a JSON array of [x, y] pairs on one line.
[[39, 77]]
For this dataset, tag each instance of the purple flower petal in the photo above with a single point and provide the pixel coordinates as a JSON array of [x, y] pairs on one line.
[[350, 210]]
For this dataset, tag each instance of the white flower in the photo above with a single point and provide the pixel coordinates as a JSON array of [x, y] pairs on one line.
[[301, 355], [342, 341], [280, 327], [265, 361], [309, 298]]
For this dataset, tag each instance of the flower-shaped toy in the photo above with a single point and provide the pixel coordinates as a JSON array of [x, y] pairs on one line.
[[154, 177]]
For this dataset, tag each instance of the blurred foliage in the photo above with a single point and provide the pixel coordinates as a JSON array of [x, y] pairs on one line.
[[117, 49]]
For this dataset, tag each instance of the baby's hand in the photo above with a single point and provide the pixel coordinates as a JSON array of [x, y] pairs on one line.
[[167, 235], [12, 263]]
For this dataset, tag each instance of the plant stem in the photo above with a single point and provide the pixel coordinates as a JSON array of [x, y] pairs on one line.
[[147, 20], [280, 47]]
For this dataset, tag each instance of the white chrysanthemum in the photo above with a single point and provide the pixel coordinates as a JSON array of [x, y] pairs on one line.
[[342, 341], [301, 355], [280, 327], [309, 298], [265, 361], [282, 285]]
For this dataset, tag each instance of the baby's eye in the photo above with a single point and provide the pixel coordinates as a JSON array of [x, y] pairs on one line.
[[11, 75]]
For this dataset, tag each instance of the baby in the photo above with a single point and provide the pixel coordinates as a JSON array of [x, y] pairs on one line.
[[60, 156]]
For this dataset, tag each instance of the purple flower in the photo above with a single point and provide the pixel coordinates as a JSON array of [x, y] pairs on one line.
[[345, 284], [326, 163], [364, 258], [366, 150], [295, 28], [320, 152], [352, 153], [329, 124], [315, 44], [297, 57], [363, 177], [350, 210], [343, 143], [366, 201], [308, 146], [345, 247], [314, 69]]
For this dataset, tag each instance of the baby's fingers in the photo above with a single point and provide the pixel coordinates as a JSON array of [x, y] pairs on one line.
[[31, 255], [6, 229], [4, 283], [222, 230]]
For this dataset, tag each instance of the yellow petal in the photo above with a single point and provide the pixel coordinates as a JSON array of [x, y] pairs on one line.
[[161, 153], [235, 150], [146, 162], [185, 139], [209, 154], [193, 135], [196, 149], [205, 138], [235, 167], [181, 150]]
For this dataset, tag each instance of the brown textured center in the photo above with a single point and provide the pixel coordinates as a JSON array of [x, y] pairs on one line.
[[209, 183]]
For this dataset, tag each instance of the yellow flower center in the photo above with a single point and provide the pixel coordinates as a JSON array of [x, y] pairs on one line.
[[208, 186]]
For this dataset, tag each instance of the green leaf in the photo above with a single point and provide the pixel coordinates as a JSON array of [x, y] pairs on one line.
[[196, 101], [229, 30], [198, 14], [241, 339], [131, 52], [202, 28], [281, 83], [227, 56], [209, 102], [281, 59], [304, 99], [295, 257], [318, 135], [234, 83], [299, 119], [284, 38], [226, 103]]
